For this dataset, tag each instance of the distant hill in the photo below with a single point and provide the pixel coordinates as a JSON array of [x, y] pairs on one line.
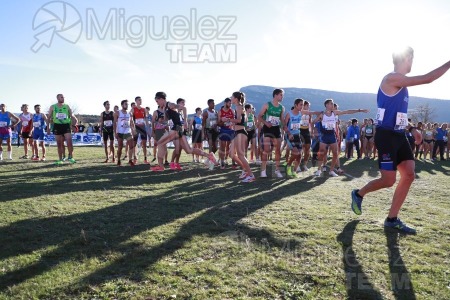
[[258, 95]]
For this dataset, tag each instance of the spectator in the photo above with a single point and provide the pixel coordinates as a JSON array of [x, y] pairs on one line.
[[353, 135]]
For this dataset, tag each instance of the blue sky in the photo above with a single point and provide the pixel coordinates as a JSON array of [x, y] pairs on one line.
[[334, 45]]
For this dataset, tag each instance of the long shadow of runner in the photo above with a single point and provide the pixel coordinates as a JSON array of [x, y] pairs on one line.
[[111, 228], [400, 278], [357, 283]]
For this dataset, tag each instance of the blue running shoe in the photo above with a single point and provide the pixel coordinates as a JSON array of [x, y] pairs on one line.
[[400, 226], [356, 203]]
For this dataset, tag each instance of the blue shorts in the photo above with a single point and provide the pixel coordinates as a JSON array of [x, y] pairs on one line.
[[328, 138], [38, 135], [4, 136], [226, 135], [295, 143]]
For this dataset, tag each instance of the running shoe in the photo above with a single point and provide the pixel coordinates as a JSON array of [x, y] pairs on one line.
[[263, 174], [356, 203], [125, 157], [157, 169], [243, 175], [333, 174], [154, 159], [59, 162], [43, 159], [145, 160], [1, 156], [166, 163], [248, 179], [35, 158], [288, 170], [212, 158], [64, 158], [305, 168], [106, 160], [24, 157], [131, 163], [178, 167], [71, 160], [278, 174], [317, 173], [398, 224], [172, 166]]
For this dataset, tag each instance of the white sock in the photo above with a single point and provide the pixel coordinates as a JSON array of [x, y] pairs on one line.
[[1, 154], [9, 155]]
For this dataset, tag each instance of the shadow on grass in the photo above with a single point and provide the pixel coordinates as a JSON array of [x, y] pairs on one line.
[[357, 282], [400, 278], [97, 233]]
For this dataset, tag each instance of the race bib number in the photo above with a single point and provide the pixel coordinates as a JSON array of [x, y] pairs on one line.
[[3, 124], [108, 123], [428, 133], [140, 121], [37, 124], [402, 121], [295, 126], [275, 121], [24, 123], [356, 137], [61, 116], [170, 122], [304, 123], [160, 126], [329, 125], [250, 124], [380, 115], [369, 131], [198, 126], [125, 124], [212, 123]]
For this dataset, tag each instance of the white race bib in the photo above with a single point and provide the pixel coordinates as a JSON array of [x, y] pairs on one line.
[[295, 126], [61, 116], [402, 121], [369, 131], [25, 123], [275, 121], [3, 124], [329, 125], [304, 123], [249, 124], [140, 121], [125, 124], [198, 126], [380, 115], [108, 123], [37, 124], [212, 123], [170, 122]]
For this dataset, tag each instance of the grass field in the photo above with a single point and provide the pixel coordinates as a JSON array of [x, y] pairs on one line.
[[98, 231]]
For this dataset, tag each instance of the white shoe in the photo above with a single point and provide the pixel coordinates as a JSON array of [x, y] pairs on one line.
[[278, 174], [248, 179], [263, 174], [305, 168], [243, 175], [333, 174], [317, 173], [298, 170]]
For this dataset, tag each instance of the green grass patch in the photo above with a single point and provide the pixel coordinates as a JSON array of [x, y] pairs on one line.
[[97, 231]]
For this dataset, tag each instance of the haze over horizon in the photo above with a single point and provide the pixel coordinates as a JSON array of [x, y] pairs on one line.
[[324, 44]]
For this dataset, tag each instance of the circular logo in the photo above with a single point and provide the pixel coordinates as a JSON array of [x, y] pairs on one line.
[[56, 18]]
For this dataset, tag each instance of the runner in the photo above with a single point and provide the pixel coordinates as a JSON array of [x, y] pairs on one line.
[[226, 133], [292, 124], [328, 133], [393, 148], [197, 133], [175, 161], [305, 127], [140, 118], [176, 131], [427, 141], [106, 124], [369, 133], [240, 141], [149, 128], [209, 123], [26, 129], [440, 133], [5, 129], [39, 121], [352, 139], [159, 129], [271, 115], [124, 129], [250, 127], [60, 118]]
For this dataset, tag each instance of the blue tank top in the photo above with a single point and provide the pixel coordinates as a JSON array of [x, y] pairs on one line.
[[5, 120], [392, 110], [197, 123], [294, 123], [38, 122], [440, 133]]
